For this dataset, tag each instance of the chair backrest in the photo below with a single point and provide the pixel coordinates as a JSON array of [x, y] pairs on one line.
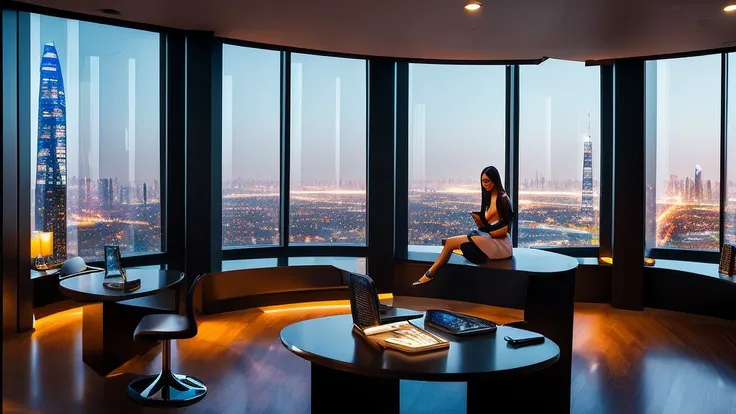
[[363, 300], [192, 325]]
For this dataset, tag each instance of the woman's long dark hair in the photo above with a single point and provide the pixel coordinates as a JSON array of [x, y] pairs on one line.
[[495, 177]]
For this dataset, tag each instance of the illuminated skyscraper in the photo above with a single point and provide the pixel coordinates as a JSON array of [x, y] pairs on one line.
[[586, 205], [698, 190], [50, 194]]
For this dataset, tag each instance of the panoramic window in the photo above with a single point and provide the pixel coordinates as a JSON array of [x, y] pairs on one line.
[[730, 218], [559, 149], [327, 197], [95, 137], [684, 111], [251, 145], [456, 129]]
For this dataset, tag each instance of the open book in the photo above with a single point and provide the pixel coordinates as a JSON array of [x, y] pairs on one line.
[[403, 336]]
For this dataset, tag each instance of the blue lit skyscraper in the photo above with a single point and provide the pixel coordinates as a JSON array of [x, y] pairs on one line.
[[586, 205], [51, 183]]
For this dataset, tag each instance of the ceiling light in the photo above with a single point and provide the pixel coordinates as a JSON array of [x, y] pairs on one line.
[[730, 8], [473, 5], [110, 11]]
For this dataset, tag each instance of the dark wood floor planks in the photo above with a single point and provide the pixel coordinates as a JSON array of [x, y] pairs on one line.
[[624, 362]]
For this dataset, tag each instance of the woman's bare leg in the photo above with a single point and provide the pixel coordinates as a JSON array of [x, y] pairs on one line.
[[451, 244]]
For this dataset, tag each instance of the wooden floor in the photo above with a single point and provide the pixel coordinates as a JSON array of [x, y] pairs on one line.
[[624, 362]]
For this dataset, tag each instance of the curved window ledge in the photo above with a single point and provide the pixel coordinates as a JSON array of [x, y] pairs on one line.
[[350, 264], [429, 254], [698, 268]]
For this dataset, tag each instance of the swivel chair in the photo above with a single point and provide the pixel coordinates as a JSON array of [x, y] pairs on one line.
[[168, 389]]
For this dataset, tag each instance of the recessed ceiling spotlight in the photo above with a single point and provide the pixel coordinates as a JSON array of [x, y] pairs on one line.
[[730, 8], [110, 11], [473, 5]]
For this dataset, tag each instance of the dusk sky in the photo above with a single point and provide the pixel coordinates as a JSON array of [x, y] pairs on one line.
[[464, 110], [114, 47]]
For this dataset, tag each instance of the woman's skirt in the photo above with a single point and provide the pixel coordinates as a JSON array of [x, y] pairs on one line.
[[494, 248]]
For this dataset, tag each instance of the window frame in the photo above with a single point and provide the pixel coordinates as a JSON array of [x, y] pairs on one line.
[[701, 255], [604, 163], [511, 176], [284, 248], [24, 11]]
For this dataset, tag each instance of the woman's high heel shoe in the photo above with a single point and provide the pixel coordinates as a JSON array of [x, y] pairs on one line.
[[428, 277]]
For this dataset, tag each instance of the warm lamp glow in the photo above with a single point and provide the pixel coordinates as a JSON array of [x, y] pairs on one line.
[[473, 5], [47, 242], [35, 245], [648, 261], [325, 305], [730, 8]]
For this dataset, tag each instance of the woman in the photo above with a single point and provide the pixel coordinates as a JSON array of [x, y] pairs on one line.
[[494, 223]]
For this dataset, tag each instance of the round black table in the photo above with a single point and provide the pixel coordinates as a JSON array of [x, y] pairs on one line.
[[89, 288], [111, 316], [343, 364]]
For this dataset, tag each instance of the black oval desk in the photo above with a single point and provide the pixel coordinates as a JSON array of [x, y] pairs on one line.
[[345, 368], [541, 283], [110, 317]]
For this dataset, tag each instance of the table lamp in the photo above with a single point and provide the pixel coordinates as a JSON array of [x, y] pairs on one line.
[[46, 246], [42, 245], [36, 258]]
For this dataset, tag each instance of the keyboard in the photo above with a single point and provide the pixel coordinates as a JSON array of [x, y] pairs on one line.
[[383, 308]]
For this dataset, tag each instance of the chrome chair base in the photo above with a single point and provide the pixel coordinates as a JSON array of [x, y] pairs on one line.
[[167, 389]]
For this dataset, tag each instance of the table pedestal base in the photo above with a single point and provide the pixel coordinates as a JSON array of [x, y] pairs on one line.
[[107, 335], [535, 393], [332, 388]]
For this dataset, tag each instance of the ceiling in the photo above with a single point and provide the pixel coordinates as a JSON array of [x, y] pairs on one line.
[[443, 29]]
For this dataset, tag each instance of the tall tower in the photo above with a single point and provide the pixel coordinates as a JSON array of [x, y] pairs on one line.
[[50, 194], [586, 205], [698, 187]]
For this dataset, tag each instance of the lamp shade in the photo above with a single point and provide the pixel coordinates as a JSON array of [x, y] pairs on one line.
[[47, 242], [35, 245]]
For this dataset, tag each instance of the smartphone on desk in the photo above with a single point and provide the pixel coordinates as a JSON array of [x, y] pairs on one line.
[[525, 339]]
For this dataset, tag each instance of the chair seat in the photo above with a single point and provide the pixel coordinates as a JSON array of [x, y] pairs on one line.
[[163, 326]]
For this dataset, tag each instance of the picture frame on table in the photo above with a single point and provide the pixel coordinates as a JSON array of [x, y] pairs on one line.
[[113, 266]]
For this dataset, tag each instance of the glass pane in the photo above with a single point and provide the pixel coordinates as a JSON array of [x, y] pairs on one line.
[[251, 145], [559, 149], [95, 137], [328, 150], [456, 129], [730, 230], [684, 111]]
